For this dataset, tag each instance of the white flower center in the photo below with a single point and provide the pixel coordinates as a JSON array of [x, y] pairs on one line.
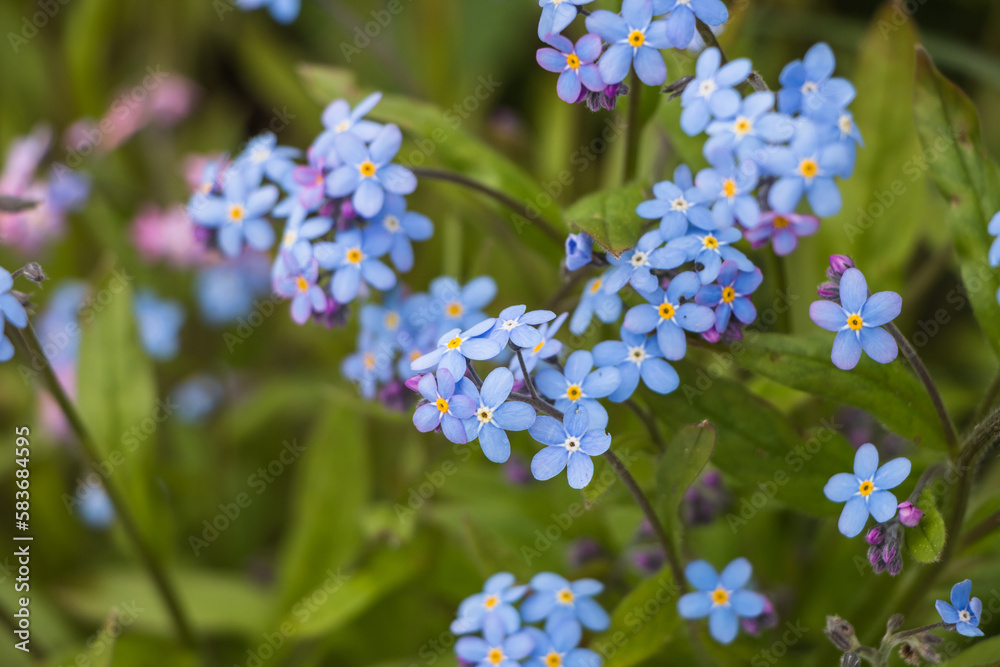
[[639, 259], [509, 325], [845, 124], [680, 204], [809, 87], [964, 616], [260, 155], [637, 355], [391, 223], [484, 415], [572, 444], [707, 87], [289, 238], [342, 126]]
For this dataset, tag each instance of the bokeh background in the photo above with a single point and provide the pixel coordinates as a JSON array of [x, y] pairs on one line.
[[364, 540]]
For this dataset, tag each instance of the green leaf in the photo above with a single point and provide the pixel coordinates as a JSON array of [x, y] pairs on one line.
[[332, 489], [982, 654], [100, 648], [609, 216], [682, 463], [117, 402], [889, 392], [968, 178], [926, 540], [643, 622]]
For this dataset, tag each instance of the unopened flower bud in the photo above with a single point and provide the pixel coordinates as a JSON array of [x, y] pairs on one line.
[[909, 514], [839, 264], [909, 654], [875, 535], [841, 633], [850, 660], [894, 623], [411, 383], [829, 291], [33, 271], [895, 566]]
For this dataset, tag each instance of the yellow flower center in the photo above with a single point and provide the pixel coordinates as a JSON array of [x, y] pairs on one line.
[[572, 61], [573, 392], [367, 168], [495, 656], [553, 659], [442, 405], [855, 322], [845, 124], [354, 255], [808, 168], [565, 596], [342, 126], [781, 222], [454, 343], [728, 294], [596, 286], [742, 126], [391, 320], [236, 213], [729, 188], [302, 284], [491, 601], [454, 309], [667, 310], [637, 38], [369, 361], [538, 348], [710, 242], [720, 596], [866, 488]]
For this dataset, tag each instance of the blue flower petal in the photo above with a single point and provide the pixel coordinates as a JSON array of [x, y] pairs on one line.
[[694, 605], [701, 575], [853, 517], [878, 344], [579, 470], [846, 350], [736, 574], [591, 614], [841, 487], [882, 505], [960, 593], [723, 624], [892, 473], [549, 462], [948, 613]]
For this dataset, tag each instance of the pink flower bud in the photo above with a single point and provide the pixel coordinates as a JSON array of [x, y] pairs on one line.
[[909, 514], [839, 264], [411, 383], [874, 536]]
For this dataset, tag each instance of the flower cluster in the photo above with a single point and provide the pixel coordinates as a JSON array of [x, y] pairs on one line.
[[11, 312], [561, 608]]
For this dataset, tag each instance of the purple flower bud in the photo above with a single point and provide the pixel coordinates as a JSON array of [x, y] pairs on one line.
[[909, 514], [829, 291], [516, 471], [392, 397], [839, 264], [875, 535], [712, 479], [347, 209], [874, 556], [648, 561], [583, 551], [411, 383], [888, 552], [895, 566]]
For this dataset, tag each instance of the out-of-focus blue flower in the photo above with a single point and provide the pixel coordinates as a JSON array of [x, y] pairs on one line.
[[732, 189], [557, 15], [710, 249], [444, 407], [461, 306], [238, 214], [858, 321], [635, 266], [844, 131], [635, 40], [227, 291], [546, 349], [159, 323], [499, 592], [681, 18], [368, 172], [962, 612], [283, 11], [354, 258], [262, 156], [994, 229], [493, 416], [196, 397], [338, 117], [560, 647], [403, 226], [865, 491], [579, 251], [574, 64], [94, 506], [580, 386], [678, 204], [730, 295], [806, 165], [298, 283], [670, 317], [370, 366], [68, 189], [723, 598], [58, 320], [517, 327], [556, 600], [750, 129], [11, 311], [311, 181], [711, 92], [569, 445], [595, 301], [455, 346], [807, 86], [298, 233], [495, 648], [636, 356], [783, 231]]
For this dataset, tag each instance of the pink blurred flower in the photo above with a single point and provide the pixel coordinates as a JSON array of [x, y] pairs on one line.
[[167, 235]]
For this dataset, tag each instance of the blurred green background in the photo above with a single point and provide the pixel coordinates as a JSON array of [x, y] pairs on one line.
[[324, 549]]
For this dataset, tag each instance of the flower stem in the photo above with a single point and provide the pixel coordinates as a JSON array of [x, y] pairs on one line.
[[497, 195], [649, 421], [755, 80], [632, 131], [932, 390], [527, 378], [32, 350]]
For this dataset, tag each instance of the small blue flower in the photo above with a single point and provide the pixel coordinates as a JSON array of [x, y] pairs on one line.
[[678, 204], [843, 130], [808, 88], [579, 251], [94, 506], [283, 11], [723, 598], [298, 283], [807, 165], [865, 491], [595, 301], [636, 356], [496, 599], [962, 612], [711, 92], [262, 156], [493, 417], [731, 187], [368, 367], [461, 305], [227, 291], [197, 397], [238, 214], [297, 235], [579, 386], [858, 320], [730, 295], [547, 348], [557, 15], [710, 249], [159, 323], [444, 407], [517, 327], [368, 172], [635, 39], [994, 230], [681, 19], [495, 648], [569, 445], [670, 317], [11, 311], [750, 129], [455, 346], [404, 226], [339, 118], [353, 259], [559, 647], [556, 600], [574, 64], [635, 266]]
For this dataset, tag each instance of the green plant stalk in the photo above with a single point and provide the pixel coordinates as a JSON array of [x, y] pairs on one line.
[[32, 350], [633, 129]]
